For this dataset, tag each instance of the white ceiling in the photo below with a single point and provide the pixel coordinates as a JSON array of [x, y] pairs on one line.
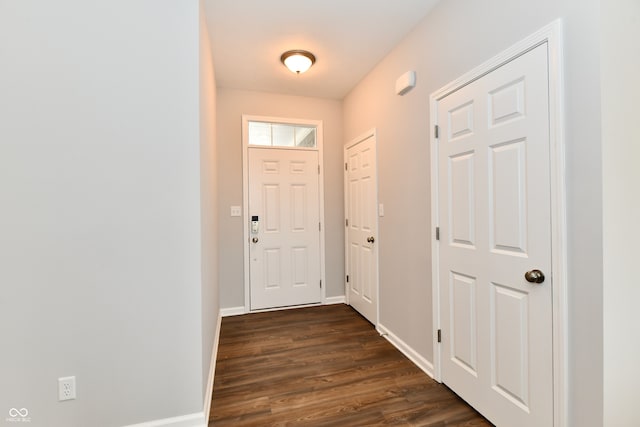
[[348, 38]]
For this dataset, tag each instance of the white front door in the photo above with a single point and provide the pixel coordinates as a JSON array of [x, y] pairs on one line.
[[284, 235], [495, 226], [361, 203]]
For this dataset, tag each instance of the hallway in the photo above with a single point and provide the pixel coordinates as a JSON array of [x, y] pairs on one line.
[[323, 366]]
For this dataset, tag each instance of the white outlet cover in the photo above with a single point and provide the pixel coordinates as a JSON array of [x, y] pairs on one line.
[[236, 211], [66, 388]]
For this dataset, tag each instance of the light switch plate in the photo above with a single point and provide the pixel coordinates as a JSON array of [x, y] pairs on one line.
[[236, 211], [380, 209]]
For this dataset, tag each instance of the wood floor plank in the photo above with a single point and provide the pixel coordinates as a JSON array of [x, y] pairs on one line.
[[323, 366]]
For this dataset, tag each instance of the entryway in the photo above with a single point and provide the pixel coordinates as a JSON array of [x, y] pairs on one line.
[[283, 191]]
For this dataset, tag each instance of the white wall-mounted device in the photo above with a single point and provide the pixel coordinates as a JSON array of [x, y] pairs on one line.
[[405, 82]]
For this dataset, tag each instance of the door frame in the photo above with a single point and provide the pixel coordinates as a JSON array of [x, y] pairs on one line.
[[551, 35], [371, 133], [246, 118]]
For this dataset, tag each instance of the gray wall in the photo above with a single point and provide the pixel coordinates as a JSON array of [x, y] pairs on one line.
[[209, 201], [454, 38], [100, 211], [232, 104], [621, 175]]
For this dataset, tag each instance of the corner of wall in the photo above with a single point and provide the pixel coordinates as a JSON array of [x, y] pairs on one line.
[[209, 209]]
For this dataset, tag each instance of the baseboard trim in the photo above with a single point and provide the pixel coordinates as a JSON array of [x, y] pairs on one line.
[[406, 349], [232, 311], [208, 396], [237, 311], [335, 300], [191, 420]]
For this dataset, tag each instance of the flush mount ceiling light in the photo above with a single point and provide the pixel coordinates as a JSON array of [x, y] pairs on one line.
[[298, 61]]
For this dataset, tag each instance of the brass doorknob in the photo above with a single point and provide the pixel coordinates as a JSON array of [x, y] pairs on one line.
[[371, 239], [534, 276], [254, 240]]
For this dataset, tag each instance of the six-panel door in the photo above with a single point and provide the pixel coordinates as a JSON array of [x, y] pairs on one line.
[[362, 231], [285, 249], [494, 214]]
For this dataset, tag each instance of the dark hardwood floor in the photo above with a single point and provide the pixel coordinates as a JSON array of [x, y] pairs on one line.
[[323, 366]]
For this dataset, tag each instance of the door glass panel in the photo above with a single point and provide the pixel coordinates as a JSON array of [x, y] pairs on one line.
[[259, 133], [282, 135], [305, 136]]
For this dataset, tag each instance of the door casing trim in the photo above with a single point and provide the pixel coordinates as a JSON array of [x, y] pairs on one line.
[[552, 36], [245, 196]]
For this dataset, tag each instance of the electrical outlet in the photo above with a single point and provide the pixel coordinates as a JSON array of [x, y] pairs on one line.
[[66, 388]]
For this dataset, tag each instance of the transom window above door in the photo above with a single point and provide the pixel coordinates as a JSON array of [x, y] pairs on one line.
[[281, 135]]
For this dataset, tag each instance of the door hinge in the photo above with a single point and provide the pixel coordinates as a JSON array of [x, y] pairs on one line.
[[320, 284], [437, 233], [346, 222], [319, 227], [318, 169], [439, 335], [436, 131], [345, 167], [347, 278]]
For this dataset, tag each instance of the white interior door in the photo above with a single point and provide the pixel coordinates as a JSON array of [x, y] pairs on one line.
[[284, 246], [495, 222], [361, 194]]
